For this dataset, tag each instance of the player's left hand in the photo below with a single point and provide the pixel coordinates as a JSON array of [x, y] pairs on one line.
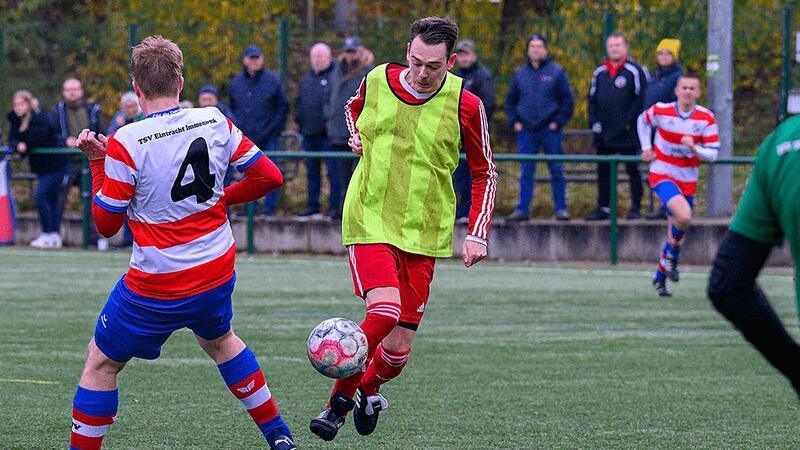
[[93, 146], [688, 141], [472, 252]]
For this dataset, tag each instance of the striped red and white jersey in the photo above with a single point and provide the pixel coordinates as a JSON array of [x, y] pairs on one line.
[[167, 172], [674, 161]]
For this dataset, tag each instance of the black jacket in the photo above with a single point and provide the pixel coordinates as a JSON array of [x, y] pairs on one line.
[[259, 106], [341, 91], [480, 81], [312, 96], [41, 132], [540, 96], [615, 103]]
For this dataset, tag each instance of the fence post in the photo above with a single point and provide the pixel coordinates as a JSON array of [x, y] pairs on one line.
[[609, 24], [283, 52], [612, 241], [786, 56], [2, 45], [251, 224], [133, 40], [86, 193]]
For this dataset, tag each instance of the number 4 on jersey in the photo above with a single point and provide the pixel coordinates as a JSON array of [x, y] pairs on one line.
[[202, 186]]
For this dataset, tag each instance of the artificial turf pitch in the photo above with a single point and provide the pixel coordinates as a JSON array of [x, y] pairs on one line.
[[508, 356]]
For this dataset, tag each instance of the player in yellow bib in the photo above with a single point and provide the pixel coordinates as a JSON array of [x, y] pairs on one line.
[[408, 123]]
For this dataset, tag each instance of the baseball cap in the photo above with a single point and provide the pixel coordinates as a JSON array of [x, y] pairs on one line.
[[253, 51], [352, 43], [208, 89], [465, 46], [538, 37]]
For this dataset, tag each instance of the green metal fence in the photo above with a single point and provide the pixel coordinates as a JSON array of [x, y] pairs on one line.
[[613, 160]]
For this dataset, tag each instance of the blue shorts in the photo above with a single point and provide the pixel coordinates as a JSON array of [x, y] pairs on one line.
[[132, 325], [666, 190]]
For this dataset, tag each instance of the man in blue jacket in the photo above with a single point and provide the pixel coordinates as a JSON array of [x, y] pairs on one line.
[[259, 105], [538, 105], [309, 113]]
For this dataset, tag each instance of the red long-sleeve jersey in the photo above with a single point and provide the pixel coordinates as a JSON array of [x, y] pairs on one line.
[[475, 142]]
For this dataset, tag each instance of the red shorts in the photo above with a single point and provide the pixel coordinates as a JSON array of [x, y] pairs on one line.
[[383, 265]]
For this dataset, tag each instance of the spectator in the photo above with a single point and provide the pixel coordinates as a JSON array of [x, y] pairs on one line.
[[480, 81], [30, 129], [74, 113], [209, 96], [309, 114], [538, 104], [616, 98], [661, 87], [259, 104], [130, 112], [353, 63]]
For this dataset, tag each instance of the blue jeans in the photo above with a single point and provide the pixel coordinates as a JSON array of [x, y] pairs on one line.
[[529, 142], [314, 178], [48, 200], [271, 200], [462, 182]]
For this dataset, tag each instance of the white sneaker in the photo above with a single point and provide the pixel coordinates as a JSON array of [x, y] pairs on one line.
[[102, 244], [42, 241], [55, 241]]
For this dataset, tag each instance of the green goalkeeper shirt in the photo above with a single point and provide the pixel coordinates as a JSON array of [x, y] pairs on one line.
[[770, 207]]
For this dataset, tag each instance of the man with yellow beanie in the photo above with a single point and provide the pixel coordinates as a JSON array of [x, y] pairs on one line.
[[661, 87]]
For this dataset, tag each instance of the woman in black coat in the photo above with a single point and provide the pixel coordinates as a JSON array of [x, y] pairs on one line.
[[30, 129]]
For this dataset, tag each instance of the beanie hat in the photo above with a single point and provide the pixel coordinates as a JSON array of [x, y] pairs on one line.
[[673, 45]]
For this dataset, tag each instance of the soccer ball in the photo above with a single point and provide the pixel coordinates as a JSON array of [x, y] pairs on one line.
[[337, 348]]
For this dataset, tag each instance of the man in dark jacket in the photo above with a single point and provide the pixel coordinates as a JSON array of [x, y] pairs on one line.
[[538, 104], [616, 98], [260, 108], [480, 81], [72, 114], [310, 117], [353, 64]]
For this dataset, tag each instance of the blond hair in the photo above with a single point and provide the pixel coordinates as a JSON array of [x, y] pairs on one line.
[[157, 67]]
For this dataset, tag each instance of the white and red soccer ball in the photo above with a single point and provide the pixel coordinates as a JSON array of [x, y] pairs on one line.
[[337, 348]]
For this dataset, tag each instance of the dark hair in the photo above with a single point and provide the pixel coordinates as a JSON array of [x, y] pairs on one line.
[[436, 30], [618, 34]]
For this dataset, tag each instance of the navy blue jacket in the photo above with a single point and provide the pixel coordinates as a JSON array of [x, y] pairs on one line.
[[540, 96], [661, 87], [480, 81], [92, 110], [259, 105], [312, 97], [614, 105]]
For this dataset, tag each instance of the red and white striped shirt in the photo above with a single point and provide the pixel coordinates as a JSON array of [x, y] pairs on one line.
[[674, 161], [474, 137], [167, 172]]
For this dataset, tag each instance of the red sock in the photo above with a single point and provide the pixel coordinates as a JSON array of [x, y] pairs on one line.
[[380, 320], [385, 366]]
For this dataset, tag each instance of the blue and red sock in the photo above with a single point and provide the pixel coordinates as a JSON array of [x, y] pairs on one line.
[[246, 381], [93, 412]]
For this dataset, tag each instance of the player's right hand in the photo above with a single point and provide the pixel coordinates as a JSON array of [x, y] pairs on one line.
[[93, 146], [648, 155], [355, 144]]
